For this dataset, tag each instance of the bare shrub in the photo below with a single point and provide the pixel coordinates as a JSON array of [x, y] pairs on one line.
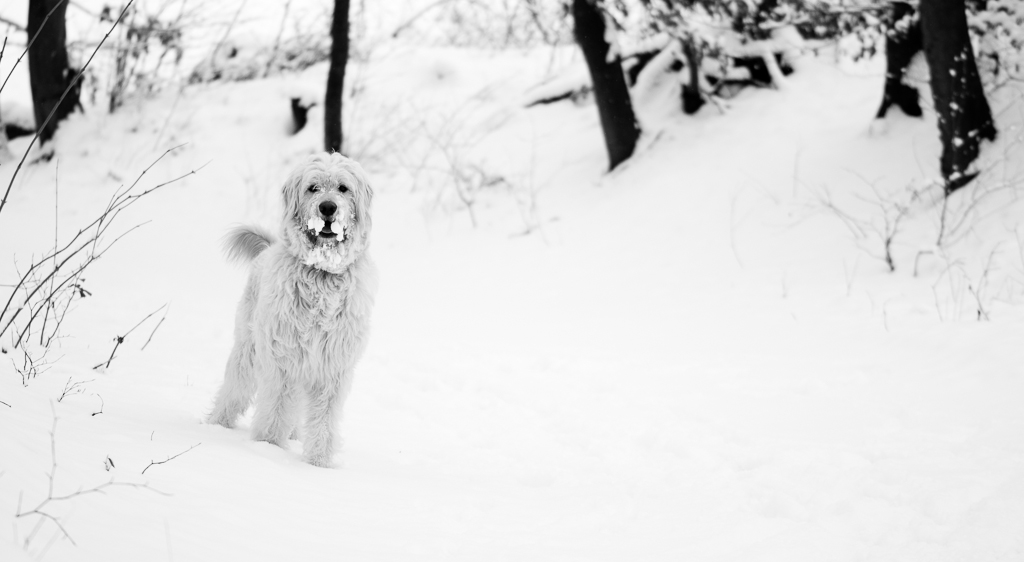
[[35, 308], [44, 511]]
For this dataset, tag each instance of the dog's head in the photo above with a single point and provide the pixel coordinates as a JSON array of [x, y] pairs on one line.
[[327, 211]]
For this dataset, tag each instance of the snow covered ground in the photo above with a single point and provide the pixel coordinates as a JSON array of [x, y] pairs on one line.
[[693, 357]]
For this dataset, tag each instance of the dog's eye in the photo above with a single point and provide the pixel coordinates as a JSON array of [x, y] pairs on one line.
[[343, 188], [314, 188]]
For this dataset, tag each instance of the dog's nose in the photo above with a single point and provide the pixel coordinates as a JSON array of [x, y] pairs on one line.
[[327, 208]]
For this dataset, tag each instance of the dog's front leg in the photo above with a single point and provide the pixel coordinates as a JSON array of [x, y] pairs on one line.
[[321, 439], [275, 407]]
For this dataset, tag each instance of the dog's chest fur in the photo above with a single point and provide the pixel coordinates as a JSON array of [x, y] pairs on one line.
[[321, 298], [316, 320]]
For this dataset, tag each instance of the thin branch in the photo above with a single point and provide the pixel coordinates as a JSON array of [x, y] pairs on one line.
[[155, 329], [118, 340], [416, 16], [277, 40], [168, 459], [70, 388]]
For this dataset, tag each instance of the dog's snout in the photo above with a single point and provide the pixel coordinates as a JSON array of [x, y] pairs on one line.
[[327, 208]]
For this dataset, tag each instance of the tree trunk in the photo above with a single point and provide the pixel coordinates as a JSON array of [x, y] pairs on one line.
[[336, 77], [49, 73], [613, 104], [692, 98], [964, 115], [902, 42]]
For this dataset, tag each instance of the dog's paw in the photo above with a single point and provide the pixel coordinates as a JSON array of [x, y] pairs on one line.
[[268, 437], [319, 459], [221, 420]]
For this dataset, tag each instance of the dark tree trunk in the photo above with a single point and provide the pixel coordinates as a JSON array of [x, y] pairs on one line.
[[336, 77], [692, 98], [49, 72], [964, 115], [902, 42], [613, 104]]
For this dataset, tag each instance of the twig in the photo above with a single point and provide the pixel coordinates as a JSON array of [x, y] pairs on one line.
[[277, 40], [156, 328], [56, 223], [168, 459], [70, 388], [120, 339], [416, 16]]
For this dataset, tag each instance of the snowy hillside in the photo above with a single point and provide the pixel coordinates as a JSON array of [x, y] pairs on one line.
[[700, 356]]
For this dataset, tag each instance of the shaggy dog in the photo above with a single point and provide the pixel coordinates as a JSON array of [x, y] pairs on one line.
[[303, 320]]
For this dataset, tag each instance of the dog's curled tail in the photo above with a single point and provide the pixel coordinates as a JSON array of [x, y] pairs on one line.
[[244, 243]]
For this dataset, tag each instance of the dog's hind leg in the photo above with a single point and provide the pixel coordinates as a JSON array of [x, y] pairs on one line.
[[239, 386]]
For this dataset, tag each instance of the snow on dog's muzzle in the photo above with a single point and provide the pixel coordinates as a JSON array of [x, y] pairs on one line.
[[330, 229]]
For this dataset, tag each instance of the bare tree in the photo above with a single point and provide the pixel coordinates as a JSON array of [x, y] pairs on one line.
[[49, 71], [964, 115], [613, 104], [336, 77]]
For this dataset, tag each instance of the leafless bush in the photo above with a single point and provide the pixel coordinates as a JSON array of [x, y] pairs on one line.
[[39, 300], [995, 188], [875, 228], [147, 48], [957, 289], [490, 23], [43, 511], [466, 177], [236, 62], [308, 44]]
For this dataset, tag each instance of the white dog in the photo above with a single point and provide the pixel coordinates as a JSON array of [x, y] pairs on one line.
[[303, 321]]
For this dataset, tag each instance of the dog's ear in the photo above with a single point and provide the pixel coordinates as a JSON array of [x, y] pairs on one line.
[[363, 197], [290, 194]]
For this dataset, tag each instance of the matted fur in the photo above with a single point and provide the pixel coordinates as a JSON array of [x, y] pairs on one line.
[[303, 320]]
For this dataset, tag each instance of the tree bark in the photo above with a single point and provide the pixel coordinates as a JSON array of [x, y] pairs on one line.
[[48, 69], [963, 111], [693, 100], [336, 77], [902, 42], [613, 104]]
